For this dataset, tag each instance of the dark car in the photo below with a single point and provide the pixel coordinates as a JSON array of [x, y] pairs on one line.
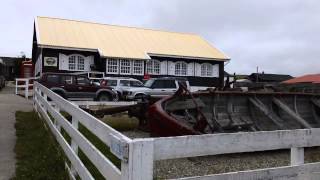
[[76, 86]]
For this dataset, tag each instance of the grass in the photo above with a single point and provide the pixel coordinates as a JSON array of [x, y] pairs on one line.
[[119, 122], [37, 153]]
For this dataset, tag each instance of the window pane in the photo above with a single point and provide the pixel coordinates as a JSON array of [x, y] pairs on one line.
[[111, 82], [170, 84], [67, 79], [124, 83], [158, 84], [136, 84], [80, 63], [180, 68], [206, 70], [72, 63], [125, 66], [153, 67], [138, 67], [53, 78], [82, 81], [112, 66]]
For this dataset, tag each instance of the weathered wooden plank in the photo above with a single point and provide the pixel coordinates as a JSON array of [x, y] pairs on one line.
[[105, 166], [140, 162], [297, 156], [267, 112], [99, 103], [302, 172], [213, 144], [291, 113], [100, 129]]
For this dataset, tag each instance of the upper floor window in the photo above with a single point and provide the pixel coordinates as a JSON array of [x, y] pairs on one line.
[[112, 66], [153, 67], [138, 67], [180, 68], [125, 66], [76, 62], [206, 70]]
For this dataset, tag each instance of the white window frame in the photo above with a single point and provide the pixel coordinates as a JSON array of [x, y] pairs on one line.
[[76, 64], [179, 72], [206, 70], [125, 66], [153, 67], [137, 67], [115, 66]]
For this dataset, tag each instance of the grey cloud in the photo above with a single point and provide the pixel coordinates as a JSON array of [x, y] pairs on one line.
[[278, 36]]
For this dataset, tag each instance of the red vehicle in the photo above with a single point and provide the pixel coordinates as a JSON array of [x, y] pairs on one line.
[[76, 86]]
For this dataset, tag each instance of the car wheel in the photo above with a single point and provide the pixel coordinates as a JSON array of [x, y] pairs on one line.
[[140, 96], [104, 97]]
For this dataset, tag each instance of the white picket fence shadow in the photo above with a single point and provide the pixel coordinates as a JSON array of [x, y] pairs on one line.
[[24, 86], [138, 155]]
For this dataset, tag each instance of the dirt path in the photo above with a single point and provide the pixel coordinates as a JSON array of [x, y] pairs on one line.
[[9, 104]]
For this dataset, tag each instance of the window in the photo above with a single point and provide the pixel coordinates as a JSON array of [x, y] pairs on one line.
[[67, 79], [72, 63], [111, 82], [112, 66], [76, 62], [80, 63], [206, 70], [138, 67], [158, 84], [125, 66], [180, 69], [124, 83], [153, 67], [136, 84], [169, 84], [53, 78], [83, 81]]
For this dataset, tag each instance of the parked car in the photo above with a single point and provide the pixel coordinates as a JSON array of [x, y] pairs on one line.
[[156, 87], [77, 86], [121, 84]]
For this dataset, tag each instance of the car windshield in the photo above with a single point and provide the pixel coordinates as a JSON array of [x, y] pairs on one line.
[[148, 83], [136, 84]]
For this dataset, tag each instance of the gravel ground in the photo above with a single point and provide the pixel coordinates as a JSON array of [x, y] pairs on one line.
[[199, 166]]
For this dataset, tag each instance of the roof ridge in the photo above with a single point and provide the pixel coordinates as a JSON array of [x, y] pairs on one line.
[[122, 26]]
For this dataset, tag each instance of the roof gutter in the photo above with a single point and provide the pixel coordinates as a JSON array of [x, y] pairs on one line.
[[187, 57], [68, 48]]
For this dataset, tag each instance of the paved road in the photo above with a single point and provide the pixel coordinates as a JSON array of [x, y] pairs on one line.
[[9, 104]]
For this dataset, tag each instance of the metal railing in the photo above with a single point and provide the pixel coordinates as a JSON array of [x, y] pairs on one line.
[[138, 155]]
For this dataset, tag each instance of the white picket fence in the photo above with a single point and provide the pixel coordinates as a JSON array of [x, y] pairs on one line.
[[24, 86], [138, 155]]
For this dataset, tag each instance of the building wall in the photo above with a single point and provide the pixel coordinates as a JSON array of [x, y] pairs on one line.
[[166, 70]]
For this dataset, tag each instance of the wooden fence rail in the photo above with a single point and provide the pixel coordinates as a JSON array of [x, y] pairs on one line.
[[24, 86], [138, 155]]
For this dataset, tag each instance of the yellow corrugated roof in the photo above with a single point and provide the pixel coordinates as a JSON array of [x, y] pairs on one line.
[[120, 41]]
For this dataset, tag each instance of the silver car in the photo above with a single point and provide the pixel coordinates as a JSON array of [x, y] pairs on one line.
[[121, 84], [156, 87]]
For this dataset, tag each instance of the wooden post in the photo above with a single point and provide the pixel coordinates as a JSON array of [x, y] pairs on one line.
[[140, 161], [297, 156], [26, 89], [16, 86], [74, 146]]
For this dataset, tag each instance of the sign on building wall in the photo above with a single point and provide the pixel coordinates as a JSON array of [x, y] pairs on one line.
[[50, 61]]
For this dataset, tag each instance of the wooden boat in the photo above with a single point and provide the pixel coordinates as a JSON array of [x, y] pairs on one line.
[[188, 113]]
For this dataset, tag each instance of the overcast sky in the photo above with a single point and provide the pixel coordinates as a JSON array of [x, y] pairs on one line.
[[278, 36]]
